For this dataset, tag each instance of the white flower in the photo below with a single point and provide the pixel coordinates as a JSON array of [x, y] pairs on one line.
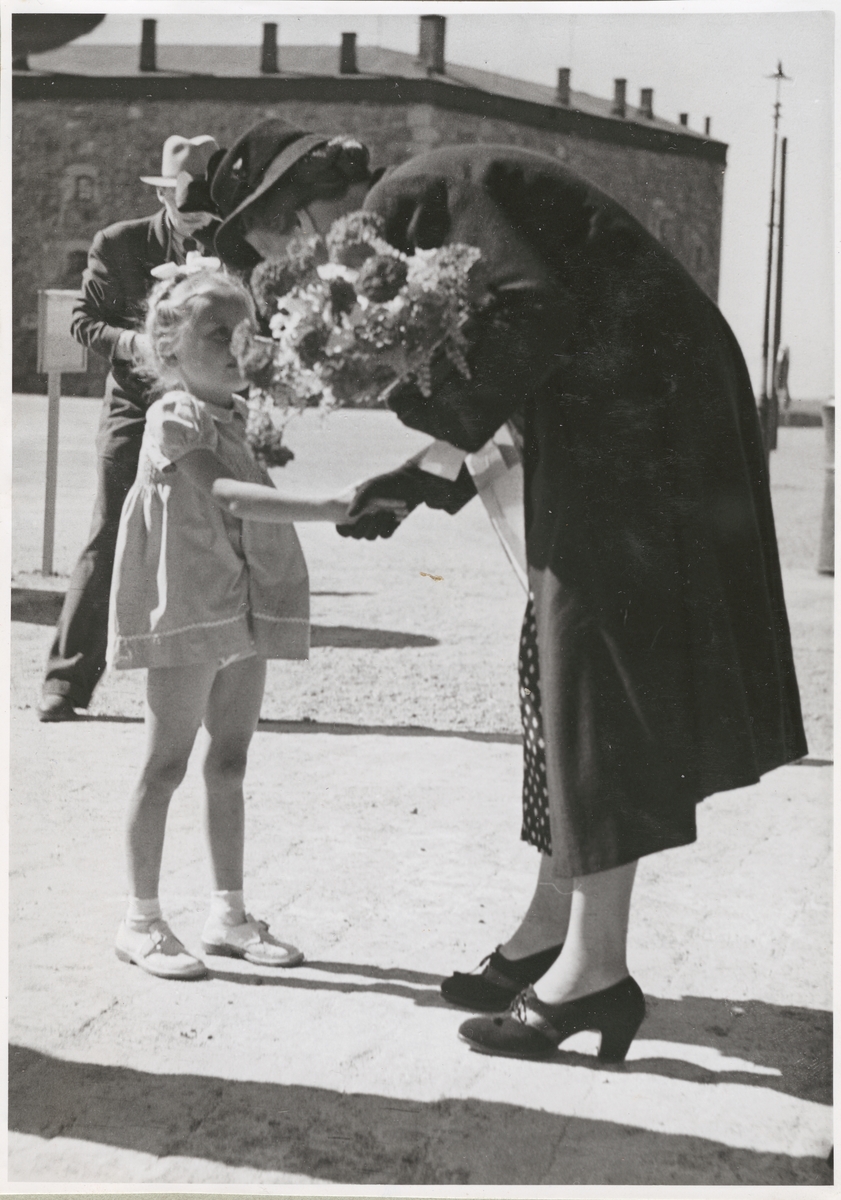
[[331, 270], [196, 261], [278, 323]]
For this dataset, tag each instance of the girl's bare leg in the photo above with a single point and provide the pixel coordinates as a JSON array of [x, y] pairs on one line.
[[176, 698], [594, 955], [233, 709]]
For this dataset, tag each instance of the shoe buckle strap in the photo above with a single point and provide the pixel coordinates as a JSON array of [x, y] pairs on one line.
[[163, 941], [157, 938], [525, 1008], [259, 930], [476, 970], [256, 922]]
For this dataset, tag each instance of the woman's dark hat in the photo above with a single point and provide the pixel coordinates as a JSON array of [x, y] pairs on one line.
[[252, 165]]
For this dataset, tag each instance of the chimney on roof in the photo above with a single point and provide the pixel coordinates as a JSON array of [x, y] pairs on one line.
[[268, 54], [619, 86], [684, 118], [562, 90], [431, 50], [148, 59], [347, 55], [707, 124], [647, 103]]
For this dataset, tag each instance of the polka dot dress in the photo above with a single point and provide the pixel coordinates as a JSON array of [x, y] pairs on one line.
[[536, 830]]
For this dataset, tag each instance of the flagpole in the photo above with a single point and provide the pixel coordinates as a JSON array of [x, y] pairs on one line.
[[765, 400], [778, 304], [770, 264]]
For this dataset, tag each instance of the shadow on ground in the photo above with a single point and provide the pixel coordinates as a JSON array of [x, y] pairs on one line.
[[366, 1139], [339, 728], [36, 606], [795, 1043], [791, 1048]]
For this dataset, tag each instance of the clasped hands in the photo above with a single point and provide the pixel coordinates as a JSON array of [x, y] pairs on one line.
[[378, 506], [370, 510]]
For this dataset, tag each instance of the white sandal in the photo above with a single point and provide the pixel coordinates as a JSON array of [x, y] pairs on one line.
[[158, 951], [252, 941]]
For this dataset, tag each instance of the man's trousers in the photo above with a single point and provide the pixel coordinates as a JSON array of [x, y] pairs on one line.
[[77, 656]]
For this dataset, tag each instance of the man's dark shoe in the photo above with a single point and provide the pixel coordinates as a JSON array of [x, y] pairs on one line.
[[493, 989], [56, 708]]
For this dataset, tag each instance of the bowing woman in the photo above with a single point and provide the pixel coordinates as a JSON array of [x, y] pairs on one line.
[[656, 665]]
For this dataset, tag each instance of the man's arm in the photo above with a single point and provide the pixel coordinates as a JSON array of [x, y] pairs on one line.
[[101, 315]]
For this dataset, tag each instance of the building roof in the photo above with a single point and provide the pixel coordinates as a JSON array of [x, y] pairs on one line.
[[181, 67]]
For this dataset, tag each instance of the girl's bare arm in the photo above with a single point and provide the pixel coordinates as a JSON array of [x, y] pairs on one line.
[[256, 501]]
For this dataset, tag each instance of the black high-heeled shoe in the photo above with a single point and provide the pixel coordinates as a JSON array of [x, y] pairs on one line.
[[532, 1029], [493, 989]]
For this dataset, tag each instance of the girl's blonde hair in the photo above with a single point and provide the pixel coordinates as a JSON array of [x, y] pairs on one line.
[[169, 309]]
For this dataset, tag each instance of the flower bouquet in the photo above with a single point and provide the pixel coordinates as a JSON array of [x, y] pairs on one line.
[[350, 317]]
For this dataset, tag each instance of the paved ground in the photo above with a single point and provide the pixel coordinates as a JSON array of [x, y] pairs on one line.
[[382, 837]]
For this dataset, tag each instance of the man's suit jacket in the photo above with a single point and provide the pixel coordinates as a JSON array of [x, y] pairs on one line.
[[665, 657], [114, 289]]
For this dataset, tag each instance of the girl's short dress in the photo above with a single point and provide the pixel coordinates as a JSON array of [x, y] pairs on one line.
[[193, 584]]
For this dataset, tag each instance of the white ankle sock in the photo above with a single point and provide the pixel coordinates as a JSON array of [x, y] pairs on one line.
[[141, 913], [227, 907]]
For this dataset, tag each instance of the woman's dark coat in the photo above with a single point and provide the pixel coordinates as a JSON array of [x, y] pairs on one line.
[[665, 659]]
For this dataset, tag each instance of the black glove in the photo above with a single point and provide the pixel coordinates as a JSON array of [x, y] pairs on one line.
[[402, 484], [414, 486], [395, 485], [411, 485], [374, 525]]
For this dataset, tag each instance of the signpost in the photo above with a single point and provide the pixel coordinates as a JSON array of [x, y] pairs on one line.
[[58, 352]]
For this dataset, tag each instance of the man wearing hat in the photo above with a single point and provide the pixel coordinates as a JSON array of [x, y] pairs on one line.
[[114, 288]]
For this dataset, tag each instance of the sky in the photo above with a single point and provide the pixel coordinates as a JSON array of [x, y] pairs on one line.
[[705, 63]]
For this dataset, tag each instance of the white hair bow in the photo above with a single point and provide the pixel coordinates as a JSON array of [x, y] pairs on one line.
[[195, 262]]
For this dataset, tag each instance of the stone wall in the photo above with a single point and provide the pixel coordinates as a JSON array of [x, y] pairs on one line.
[[677, 197], [77, 168]]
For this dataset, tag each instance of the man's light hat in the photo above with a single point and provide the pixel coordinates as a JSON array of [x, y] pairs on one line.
[[183, 155]]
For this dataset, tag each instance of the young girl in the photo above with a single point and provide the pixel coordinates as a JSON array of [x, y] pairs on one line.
[[202, 599]]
